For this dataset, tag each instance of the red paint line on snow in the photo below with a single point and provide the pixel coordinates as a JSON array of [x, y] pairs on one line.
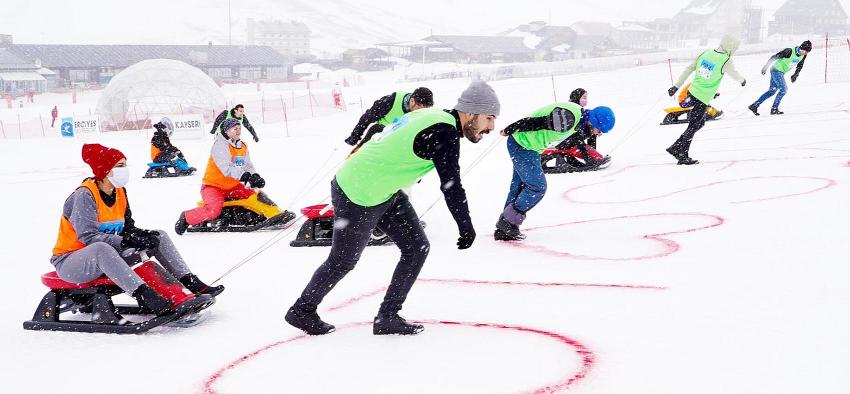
[[588, 359], [668, 246], [567, 195], [731, 163]]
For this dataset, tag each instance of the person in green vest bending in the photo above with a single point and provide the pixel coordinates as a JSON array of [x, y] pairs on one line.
[[527, 138], [783, 62], [238, 113], [366, 193], [387, 110], [710, 68]]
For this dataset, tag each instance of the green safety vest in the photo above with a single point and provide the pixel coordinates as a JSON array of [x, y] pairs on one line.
[[709, 74], [387, 163], [539, 140], [230, 115], [397, 110], [786, 64]]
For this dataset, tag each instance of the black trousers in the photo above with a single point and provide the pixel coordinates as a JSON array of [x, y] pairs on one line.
[[353, 225], [696, 120]]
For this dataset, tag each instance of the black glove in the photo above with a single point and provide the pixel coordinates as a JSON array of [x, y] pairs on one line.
[[672, 91], [139, 239], [794, 78], [352, 140], [257, 181], [246, 176], [256, 139], [764, 70], [744, 83], [466, 238]]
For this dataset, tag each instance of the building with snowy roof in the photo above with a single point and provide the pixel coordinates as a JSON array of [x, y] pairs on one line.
[[809, 17], [97, 64], [18, 76], [463, 49]]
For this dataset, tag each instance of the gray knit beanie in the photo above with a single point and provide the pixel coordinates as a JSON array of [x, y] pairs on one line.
[[478, 98]]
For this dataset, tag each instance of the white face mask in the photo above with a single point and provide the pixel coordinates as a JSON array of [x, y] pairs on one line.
[[120, 176]]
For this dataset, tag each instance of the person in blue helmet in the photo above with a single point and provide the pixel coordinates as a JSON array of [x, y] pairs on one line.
[[527, 138]]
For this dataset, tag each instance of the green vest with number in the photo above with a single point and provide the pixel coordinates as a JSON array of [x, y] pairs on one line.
[[709, 74], [397, 110], [387, 163], [786, 64], [539, 140], [229, 116]]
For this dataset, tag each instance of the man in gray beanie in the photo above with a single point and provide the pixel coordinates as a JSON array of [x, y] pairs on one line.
[[366, 193]]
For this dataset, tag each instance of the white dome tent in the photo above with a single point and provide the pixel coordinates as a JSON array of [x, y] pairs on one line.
[[157, 87]]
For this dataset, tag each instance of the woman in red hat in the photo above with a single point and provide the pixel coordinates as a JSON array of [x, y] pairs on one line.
[[97, 226]]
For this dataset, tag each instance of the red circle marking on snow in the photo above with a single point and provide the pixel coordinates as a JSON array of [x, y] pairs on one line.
[[588, 358], [668, 246], [567, 195]]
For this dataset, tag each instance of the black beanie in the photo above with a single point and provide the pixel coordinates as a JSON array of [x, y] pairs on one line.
[[806, 46]]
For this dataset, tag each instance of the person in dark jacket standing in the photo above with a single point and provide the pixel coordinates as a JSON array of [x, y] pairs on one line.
[[366, 193], [782, 62], [238, 113], [387, 110]]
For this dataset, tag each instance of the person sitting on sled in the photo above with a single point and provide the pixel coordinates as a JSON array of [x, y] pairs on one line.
[[228, 167], [584, 139], [97, 229], [162, 151]]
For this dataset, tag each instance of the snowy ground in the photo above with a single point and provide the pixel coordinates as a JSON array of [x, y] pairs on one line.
[[647, 277]]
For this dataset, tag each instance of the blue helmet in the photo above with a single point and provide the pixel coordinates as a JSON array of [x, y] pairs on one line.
[[601, 118]]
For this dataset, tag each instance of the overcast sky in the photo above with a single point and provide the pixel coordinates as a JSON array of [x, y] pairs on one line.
[[199, 21]]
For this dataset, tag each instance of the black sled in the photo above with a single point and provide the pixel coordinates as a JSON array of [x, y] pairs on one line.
[[168, 170], [319, 227], [557, 161]]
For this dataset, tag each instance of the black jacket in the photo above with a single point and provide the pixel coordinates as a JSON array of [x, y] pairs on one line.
[[378, 110]]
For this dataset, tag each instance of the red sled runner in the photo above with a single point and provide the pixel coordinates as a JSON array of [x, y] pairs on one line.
[[319, 227], [556, 161], [95, 299]]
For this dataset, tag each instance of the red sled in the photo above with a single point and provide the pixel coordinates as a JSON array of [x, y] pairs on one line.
[[95, 298], [558, 161], [318, 229]]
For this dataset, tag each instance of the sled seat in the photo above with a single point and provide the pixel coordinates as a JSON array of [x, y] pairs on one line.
[[676, 109], [157, 165], [317, 211], [54, 282]]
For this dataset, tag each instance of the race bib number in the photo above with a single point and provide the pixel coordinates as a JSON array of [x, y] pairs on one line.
[[239, 161], [114, 227], [706, 69]]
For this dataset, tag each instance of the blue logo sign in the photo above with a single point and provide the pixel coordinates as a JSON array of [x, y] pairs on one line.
[[67, 127]]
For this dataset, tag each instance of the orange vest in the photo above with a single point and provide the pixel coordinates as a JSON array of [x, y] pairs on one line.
[[214, 177], [154, 152], [109, 219]]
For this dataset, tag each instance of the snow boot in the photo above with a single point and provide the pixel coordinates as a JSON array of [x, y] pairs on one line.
[[149, 298], [755, 109], [776, 111], [195, 285], [507, 231], [687, 161], [395, 325], [181, 225], [307, 321]]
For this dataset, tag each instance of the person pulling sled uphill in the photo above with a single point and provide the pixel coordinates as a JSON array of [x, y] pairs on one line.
[[578, 152], [97, 236], [366, 193], [527, 139], [166, 159], [228, 167], [783, 62], [238, 113], [387, 110], [708, 69]]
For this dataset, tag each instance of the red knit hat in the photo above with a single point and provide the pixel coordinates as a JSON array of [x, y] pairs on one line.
[[101, 159]]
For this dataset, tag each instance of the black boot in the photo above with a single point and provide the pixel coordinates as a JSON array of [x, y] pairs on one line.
[[307, 321], [149, 299], [507, 231], [687, 161], [755, 109], [195, 285], [181, 225], [776, 111], [395, 325]]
